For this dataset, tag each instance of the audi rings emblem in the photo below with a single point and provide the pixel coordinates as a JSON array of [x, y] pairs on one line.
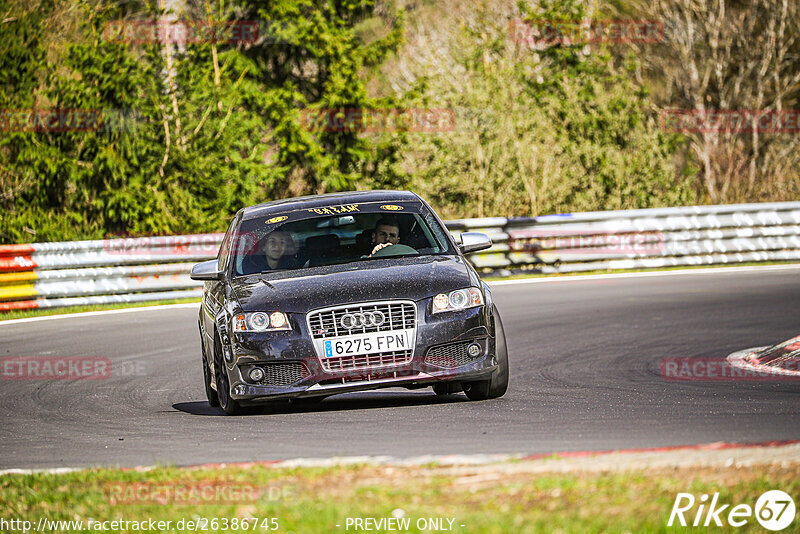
[[362, 319]]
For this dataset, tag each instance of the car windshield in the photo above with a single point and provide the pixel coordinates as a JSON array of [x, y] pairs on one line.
[[344, 234]]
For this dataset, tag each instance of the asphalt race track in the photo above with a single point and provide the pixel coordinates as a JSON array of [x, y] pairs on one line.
[[584, 376]]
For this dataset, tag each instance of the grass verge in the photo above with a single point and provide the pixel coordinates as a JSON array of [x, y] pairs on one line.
[[311, 500]]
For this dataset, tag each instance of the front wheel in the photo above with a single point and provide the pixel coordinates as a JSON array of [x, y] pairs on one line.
[[497, 385], [228, 405], [211, 395]]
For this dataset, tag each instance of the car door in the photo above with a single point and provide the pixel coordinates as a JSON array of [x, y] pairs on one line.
[[214, 290]]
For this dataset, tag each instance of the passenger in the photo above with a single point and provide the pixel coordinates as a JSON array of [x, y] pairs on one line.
[[387, 232], [280, 249]]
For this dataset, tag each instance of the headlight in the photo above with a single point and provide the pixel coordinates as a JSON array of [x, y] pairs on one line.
[[459, 299], [260, 322]]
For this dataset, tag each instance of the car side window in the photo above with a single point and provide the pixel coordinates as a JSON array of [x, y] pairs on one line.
[[225, 247]]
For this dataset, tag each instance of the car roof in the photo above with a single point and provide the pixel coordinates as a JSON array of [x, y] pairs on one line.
[[328, 199]]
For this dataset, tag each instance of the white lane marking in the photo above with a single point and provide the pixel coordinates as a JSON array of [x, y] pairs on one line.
[[706, 270], [51, 471], [195, 305], [450, 459]]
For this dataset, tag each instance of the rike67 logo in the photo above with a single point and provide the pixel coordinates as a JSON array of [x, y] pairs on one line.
[[774, 510]]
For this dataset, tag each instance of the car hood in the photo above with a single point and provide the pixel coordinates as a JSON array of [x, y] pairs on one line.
[[303, 290]]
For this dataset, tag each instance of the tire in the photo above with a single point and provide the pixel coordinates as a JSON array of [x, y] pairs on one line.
[[211, 395], [228, 405], [497, 385]]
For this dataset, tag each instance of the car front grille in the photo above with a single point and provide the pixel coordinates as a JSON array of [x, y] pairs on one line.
[[328, 323], [283, 373], [451, 355]]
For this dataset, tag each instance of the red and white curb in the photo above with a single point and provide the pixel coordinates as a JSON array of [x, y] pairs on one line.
[[742, 360], [449, 460]]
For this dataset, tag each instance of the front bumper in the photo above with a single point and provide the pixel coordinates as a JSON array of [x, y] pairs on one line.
[[252, 349]]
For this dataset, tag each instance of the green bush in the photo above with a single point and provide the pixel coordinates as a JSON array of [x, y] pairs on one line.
[[547, 129]]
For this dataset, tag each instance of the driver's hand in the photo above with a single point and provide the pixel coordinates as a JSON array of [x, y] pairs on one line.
[[378, 247]]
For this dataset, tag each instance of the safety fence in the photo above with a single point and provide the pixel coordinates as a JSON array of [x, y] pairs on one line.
[[43, 275]]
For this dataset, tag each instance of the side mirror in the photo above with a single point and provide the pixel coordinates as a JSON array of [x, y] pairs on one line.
[[206, 271], [474, 241]]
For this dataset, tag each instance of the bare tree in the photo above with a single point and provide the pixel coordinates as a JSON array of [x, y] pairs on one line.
[[720, 55]]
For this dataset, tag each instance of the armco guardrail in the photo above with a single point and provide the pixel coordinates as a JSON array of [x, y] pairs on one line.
[[637, 239], [42, 275], [46, 275]]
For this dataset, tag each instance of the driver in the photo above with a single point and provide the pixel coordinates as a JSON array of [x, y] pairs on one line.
[[387, 232]]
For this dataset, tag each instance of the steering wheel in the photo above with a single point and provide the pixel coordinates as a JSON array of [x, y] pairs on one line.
[[395, 250]]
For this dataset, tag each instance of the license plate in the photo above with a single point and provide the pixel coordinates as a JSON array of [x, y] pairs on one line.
[[368, 343]]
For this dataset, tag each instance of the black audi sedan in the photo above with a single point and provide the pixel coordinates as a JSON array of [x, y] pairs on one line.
[[314, 296]]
